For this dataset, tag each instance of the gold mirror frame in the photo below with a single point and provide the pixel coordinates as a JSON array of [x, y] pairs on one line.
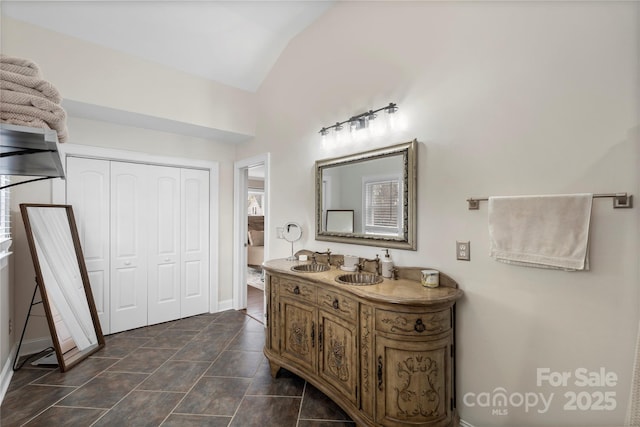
[[67, 358], [408, 151]]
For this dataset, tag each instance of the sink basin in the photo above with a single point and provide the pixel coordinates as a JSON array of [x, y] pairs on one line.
[[310, 268], [359, 279]]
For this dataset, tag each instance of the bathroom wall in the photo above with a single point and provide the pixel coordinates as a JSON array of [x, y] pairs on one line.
[[505, 98], [91, 74]]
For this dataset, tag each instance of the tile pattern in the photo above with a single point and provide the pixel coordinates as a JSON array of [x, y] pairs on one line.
[[206, 370]]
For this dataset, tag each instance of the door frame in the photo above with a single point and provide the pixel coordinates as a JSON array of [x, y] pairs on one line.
[[58, 193], [240, 190]]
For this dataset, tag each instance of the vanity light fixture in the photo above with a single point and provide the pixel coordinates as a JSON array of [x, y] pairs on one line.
[[359, 121]]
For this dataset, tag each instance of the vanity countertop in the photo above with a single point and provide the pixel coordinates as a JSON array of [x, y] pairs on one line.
[[400, 291]]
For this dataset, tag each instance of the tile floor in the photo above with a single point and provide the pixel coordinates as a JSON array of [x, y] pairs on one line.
[[255, 303], [206, 370]]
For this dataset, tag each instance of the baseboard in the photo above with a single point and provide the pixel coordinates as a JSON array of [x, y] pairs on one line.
[[7, 373], [225, 305], [463, 423]]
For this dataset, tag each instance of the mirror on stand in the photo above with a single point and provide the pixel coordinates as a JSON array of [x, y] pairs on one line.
[[63, 283]]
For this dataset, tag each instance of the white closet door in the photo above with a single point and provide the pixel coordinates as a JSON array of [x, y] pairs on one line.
[[129, 201], [88, 192], [195, 242], [163, 222]]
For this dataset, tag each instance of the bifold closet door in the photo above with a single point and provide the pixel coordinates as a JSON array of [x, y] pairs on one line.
[[195, 242], [129, 242], [163, 228], [88, 191]]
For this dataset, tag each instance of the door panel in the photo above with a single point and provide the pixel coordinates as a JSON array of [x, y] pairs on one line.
[[299, 333], [129, 199], [194, 281], [412, 389], [338, 362], [88, 189], [163, 222]]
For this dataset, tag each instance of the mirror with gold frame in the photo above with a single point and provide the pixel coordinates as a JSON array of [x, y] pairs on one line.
[[379, 186], [63, 282]]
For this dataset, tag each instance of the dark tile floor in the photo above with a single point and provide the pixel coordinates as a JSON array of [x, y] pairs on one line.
[[255, 303], [206, 370]]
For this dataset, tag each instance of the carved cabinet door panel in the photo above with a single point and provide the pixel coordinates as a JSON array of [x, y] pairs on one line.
[[413, 382], [338, 355], [298, 333]]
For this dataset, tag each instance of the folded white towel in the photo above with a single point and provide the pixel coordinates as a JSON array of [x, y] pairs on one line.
[[541, 231]]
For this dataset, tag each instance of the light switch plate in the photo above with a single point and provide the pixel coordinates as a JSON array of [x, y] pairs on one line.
[[463, 251]]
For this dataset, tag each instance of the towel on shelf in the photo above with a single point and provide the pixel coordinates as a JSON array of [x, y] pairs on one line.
[[29, 85], [22, 66], [25, 107], [27, 100], [541, 231]]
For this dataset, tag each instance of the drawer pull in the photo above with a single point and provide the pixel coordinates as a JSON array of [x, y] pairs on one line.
[[380, 373], [336, 304], [419, 326], [296, 290]]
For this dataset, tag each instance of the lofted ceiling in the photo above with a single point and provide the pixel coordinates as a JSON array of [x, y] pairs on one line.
[[232, 42]]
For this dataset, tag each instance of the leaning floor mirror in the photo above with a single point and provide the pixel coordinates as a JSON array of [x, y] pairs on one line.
[[62, 280]]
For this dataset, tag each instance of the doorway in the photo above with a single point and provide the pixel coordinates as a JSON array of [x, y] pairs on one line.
[[251, 234]]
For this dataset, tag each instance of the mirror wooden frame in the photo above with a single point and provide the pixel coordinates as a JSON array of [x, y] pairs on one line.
[[407, 241], [72, 357]]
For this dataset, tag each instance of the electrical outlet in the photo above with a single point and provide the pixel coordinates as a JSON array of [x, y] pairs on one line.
[[463, 251]]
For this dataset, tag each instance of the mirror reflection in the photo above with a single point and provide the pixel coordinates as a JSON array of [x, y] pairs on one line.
[[63, 282], [368, 198]]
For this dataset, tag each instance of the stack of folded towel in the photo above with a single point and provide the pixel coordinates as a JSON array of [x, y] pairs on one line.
[[27, 100]]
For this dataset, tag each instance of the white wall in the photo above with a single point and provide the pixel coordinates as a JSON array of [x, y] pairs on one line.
[[505, 98], [91, 74]]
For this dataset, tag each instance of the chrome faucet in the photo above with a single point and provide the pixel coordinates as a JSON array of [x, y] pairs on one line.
[[362, 265], [314, 256]]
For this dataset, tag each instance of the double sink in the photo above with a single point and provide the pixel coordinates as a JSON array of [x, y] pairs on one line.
[[355, 279]]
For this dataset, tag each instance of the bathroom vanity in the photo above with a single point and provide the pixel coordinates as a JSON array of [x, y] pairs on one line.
[[383, 352]]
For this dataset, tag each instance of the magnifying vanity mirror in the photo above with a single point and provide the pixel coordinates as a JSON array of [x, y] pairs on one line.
[[61, 277], [292, 232], [368, 198]]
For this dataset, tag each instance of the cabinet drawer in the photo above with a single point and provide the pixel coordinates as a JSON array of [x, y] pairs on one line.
[[338, 304], [298, 290], [414, 324]]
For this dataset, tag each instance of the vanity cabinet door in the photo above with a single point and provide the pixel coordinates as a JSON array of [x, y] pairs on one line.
[[298, 333], [338, 354], [413, 382]]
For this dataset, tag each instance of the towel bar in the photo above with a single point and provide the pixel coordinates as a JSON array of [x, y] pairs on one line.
[[620, 200]]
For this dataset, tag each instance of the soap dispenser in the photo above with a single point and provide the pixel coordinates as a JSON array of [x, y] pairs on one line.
[[387, 265]]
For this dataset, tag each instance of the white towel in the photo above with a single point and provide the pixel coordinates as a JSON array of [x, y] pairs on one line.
[[541, 231]]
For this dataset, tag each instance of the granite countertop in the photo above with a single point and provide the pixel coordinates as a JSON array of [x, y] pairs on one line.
[[401, 291]]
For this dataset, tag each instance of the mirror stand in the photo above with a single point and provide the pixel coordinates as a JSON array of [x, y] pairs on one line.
[[47, 351], [292, 231]]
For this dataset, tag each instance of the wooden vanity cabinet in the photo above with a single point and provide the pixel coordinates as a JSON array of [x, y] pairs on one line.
[[384, 363]]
